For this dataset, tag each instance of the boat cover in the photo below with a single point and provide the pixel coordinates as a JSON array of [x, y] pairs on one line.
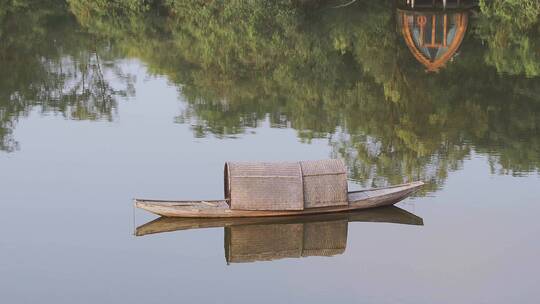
[[285, 185]]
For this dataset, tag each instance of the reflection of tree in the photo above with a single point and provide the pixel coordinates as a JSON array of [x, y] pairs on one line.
[[340, 74], [511, 29], [78, 89], [46, 65]]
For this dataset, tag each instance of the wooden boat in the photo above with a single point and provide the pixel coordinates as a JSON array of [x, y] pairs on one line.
[[390, 214], [282, 189], [219, 208]]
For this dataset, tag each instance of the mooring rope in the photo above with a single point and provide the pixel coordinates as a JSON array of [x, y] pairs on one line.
[[133, 211]]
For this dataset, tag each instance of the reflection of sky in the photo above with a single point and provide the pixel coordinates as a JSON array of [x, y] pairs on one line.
[[66, 217]]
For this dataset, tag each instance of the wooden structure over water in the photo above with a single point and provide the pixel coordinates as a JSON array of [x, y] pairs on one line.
[[260, 189]]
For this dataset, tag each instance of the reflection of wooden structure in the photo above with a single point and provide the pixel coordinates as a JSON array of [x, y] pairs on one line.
[[419, 4], [271, 238], [434, 34]]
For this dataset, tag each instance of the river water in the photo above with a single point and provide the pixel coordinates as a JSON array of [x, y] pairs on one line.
[[98, 107]]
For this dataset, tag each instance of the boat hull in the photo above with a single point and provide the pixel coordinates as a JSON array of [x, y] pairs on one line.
[[364, 199]]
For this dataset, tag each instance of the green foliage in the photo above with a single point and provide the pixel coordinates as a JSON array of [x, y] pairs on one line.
[[511, 28]]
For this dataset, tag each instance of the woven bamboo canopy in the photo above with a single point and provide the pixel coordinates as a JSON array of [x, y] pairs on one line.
[[285, 185]]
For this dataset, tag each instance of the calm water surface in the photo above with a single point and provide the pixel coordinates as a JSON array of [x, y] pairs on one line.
[[100, 103]]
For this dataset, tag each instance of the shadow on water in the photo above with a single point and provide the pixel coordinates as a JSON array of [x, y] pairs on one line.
[[265, 239]]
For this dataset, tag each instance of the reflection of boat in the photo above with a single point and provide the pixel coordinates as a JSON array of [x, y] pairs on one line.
[[270, 238], [434, 30], [390, 214], [283, 189]]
